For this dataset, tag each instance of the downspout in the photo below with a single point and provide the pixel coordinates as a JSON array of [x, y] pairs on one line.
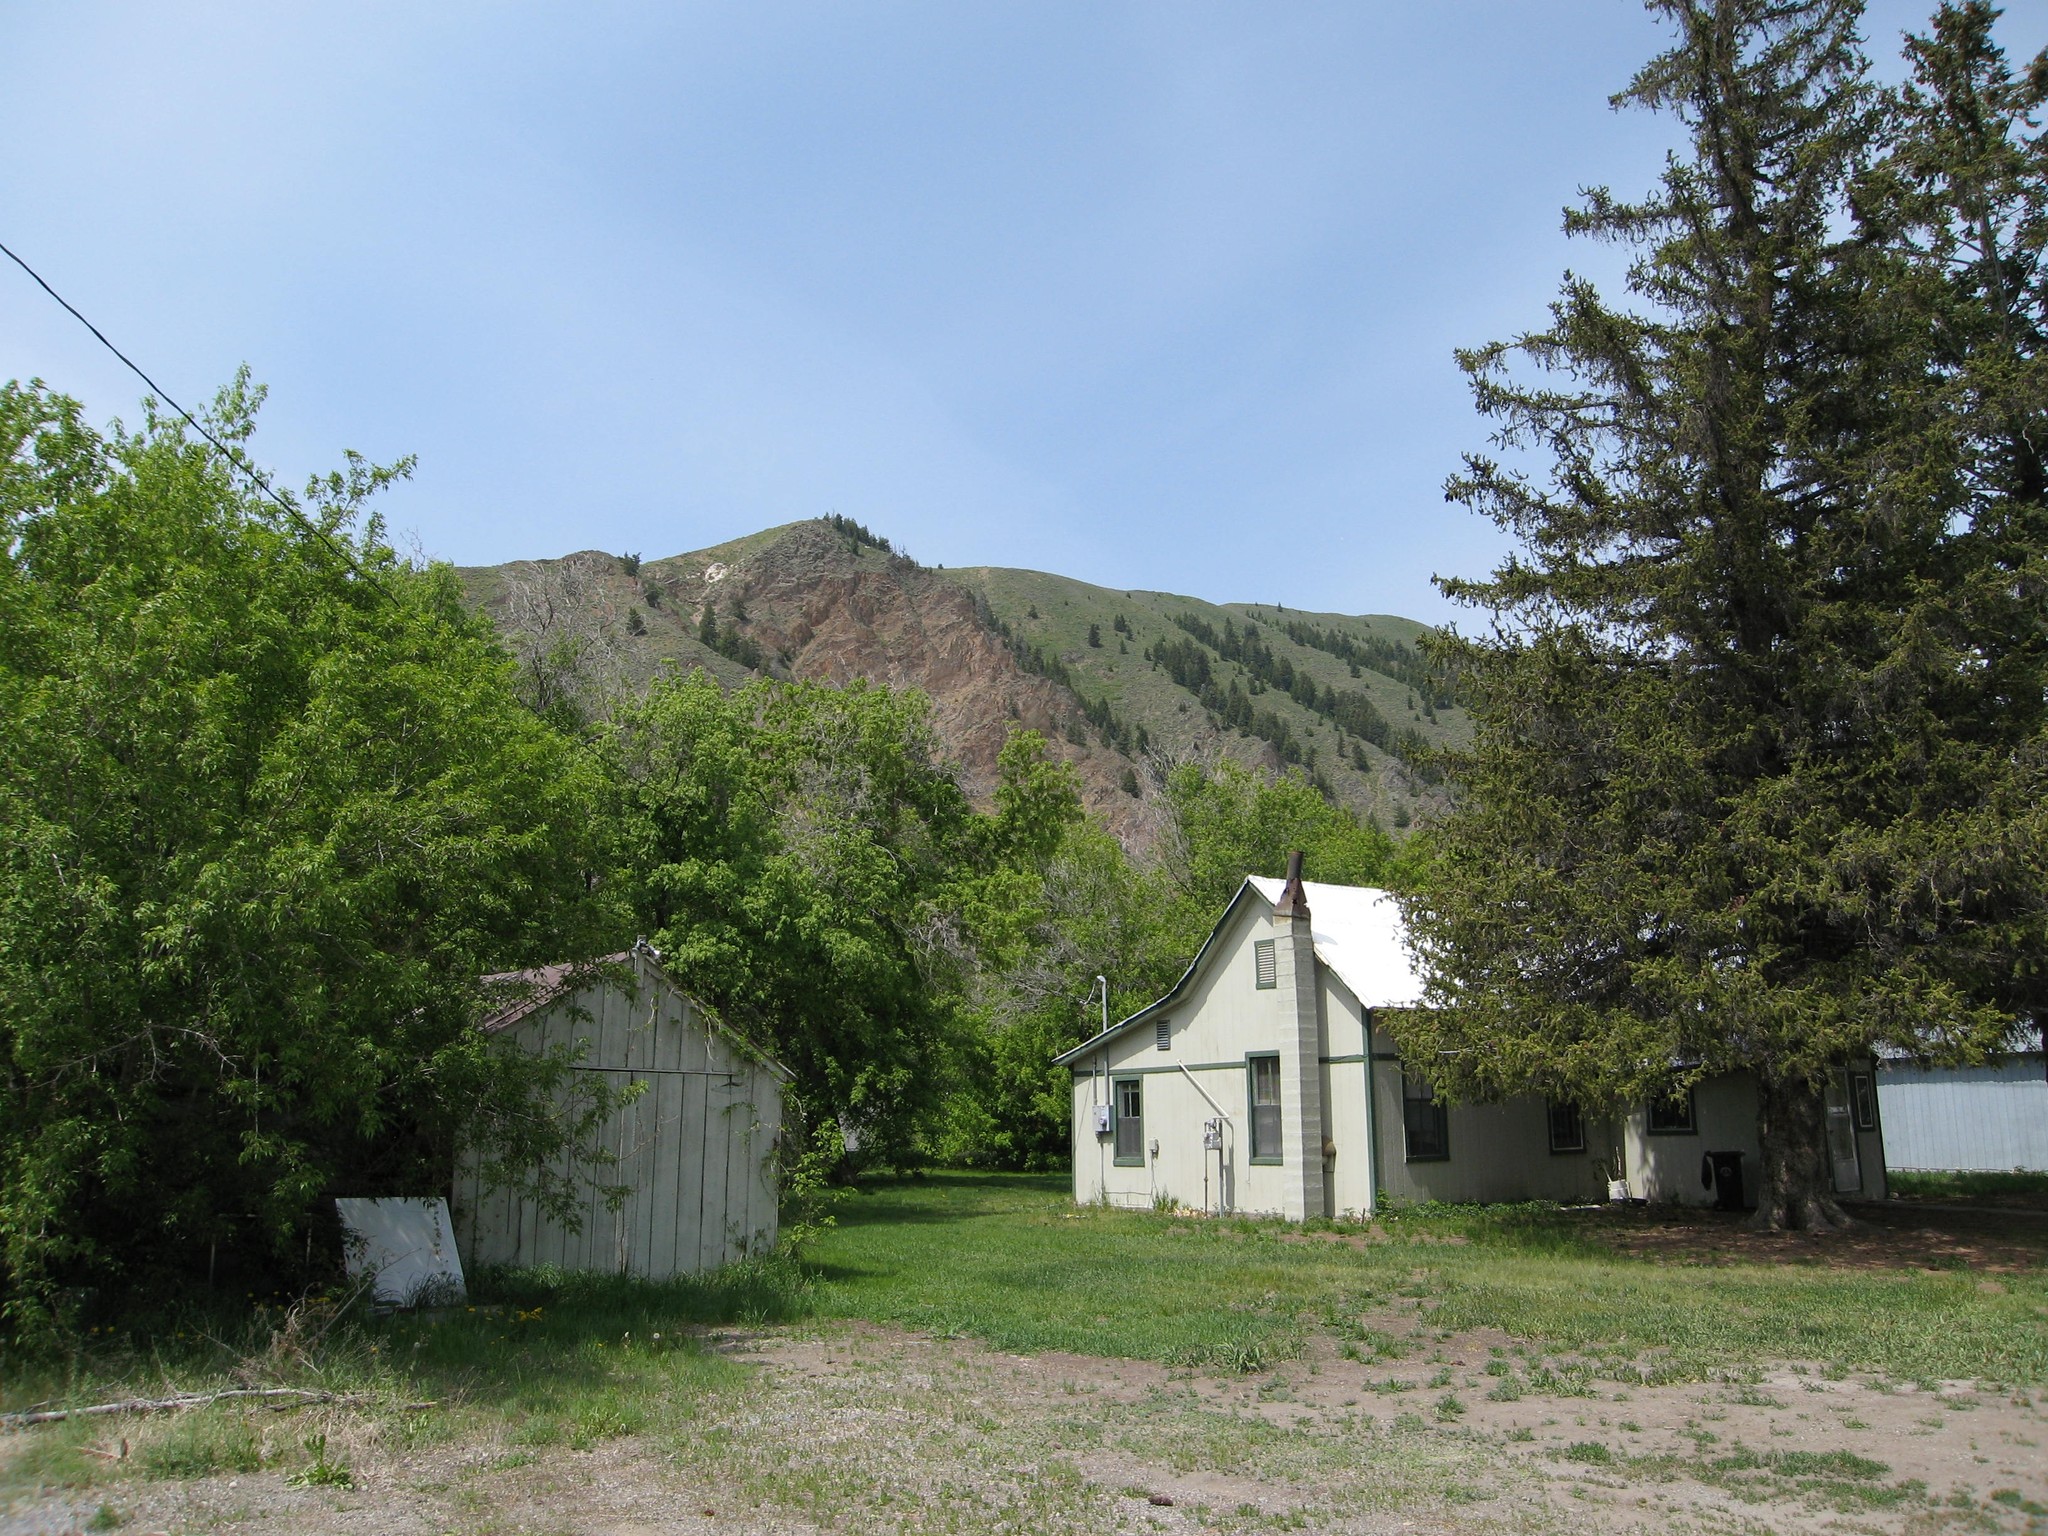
[[1203, 1092], [1372, 1125]]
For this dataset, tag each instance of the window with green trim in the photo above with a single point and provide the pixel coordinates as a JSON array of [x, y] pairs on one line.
[[1130, 1121], [1567, 1126], [1425, 1119], [1264, 1090], [1674, 1115]]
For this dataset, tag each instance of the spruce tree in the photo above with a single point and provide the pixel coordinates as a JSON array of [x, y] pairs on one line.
[[1740, 795]]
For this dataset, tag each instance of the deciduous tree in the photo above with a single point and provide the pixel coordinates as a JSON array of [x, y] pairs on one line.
[[269, 809]]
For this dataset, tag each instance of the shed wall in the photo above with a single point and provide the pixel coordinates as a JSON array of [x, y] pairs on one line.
[[694, 1150]]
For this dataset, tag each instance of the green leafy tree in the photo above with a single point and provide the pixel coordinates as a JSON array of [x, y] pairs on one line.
[[264, 822], [1739, 796], [1227, 821], [795, 849]]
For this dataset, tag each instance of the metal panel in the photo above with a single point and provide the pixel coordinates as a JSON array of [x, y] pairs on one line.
[[1990, 1119]]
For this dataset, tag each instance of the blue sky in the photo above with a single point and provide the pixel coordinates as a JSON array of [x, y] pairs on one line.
[[1154, 295]]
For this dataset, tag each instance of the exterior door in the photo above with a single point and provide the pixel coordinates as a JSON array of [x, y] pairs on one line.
[[1842, 1136]]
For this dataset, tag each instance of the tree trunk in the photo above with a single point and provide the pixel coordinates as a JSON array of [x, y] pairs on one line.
[[1798, 1184]]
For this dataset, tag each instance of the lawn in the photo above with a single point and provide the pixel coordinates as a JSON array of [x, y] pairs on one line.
[[1011, 1260], [2020, 1188], [545, 1363]]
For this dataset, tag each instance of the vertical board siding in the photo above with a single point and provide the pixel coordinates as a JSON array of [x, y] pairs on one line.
[[718, 1127], [1989, 1119], [690, 1153], [692, 1150]]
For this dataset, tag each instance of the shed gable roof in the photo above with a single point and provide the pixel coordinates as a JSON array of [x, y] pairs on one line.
[[547, 984]]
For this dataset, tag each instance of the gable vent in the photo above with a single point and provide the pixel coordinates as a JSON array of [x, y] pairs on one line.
[[1265, 964], [1162, 1034]]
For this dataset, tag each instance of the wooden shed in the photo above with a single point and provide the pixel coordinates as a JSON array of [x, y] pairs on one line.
[[696, 1148]]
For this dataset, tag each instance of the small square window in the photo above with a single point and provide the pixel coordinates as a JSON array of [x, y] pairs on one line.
[[1162, 1035], [1674, 1115], [1265, 1106], [1265, 964], [1863, 1099], [1426, 1119], [1130, 1120], [1567, 1126]]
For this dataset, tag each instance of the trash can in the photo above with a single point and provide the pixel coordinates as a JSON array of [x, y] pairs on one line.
[[1727, 1174]]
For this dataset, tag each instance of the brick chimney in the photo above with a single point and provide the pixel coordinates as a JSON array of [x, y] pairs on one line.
[[1301, 1038]]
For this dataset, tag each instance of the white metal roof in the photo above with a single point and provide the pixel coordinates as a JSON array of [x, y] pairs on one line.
[[1359, 934]]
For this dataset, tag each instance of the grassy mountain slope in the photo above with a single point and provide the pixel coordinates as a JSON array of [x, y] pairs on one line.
[[1054, 615], [1172, 676]]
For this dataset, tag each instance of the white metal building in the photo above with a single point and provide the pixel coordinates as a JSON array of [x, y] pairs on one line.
[[1263, 1082], [696, 1149], [1988, 1119]]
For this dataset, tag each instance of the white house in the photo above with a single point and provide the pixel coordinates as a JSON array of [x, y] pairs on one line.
[[695, 1149], [1265, 1082]]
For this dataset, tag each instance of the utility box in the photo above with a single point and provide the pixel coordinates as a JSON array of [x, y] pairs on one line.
[[1212, 1135], [1102, 1120]]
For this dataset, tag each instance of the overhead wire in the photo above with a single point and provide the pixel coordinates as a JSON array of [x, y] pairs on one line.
[[233, 456]]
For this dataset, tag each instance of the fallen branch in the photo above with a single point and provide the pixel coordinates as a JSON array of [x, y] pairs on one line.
[[276, 1397]]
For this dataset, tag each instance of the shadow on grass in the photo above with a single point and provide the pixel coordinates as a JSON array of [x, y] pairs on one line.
[[935, 1199]]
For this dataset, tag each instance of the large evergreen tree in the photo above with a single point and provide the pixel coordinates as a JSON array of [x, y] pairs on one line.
[[1758, 758]]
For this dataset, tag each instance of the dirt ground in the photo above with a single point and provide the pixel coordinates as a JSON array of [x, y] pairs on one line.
[[859, 1429], [1891, 1236]]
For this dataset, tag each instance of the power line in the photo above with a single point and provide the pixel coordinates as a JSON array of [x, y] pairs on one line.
[[233, 456]]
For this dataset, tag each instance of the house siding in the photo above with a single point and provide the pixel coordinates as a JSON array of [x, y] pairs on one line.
[[1667, 1167], [1343, 1130], [1224, 1017], [1349, 1186], [1497, 1151]]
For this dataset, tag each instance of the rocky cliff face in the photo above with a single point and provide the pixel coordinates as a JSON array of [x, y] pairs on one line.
[[816, 605], [1118, 683]]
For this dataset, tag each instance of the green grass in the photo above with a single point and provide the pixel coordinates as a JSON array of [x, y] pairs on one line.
[[545, 1361], [2015, 1188], [544, 1357], [1010, 1260]]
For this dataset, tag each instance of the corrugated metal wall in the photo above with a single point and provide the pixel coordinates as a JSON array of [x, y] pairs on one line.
[[1989, 1119], [695, 1150]]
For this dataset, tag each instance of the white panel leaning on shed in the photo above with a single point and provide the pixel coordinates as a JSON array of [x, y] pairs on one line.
[[695, 1149]]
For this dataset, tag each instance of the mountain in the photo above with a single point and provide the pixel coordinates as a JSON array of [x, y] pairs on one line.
[[1121, 683]]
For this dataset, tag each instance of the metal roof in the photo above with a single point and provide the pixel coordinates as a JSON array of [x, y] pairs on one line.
[[1357, 932]]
